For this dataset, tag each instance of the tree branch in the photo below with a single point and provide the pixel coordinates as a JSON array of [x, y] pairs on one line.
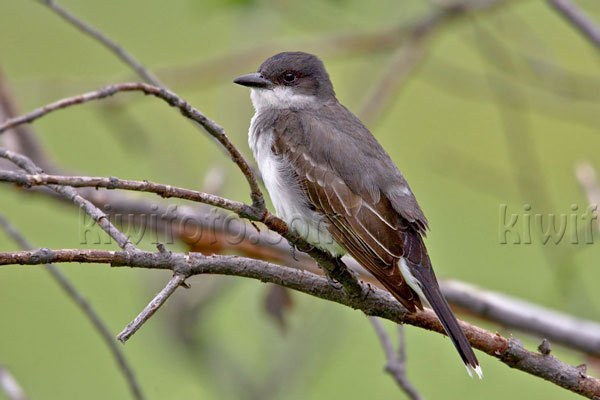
[[105, 41], [165, 191], [376, 302], [72, 195], [87, 309], [499, 308], [579, 19], [211, 127], [151, 308], [396, 362], [579, 334], [333, 267]]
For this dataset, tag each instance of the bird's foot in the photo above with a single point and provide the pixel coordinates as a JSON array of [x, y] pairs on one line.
[[333, 283], [293, 252]]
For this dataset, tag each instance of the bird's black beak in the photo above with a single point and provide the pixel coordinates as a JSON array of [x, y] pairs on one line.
[[253, 80]]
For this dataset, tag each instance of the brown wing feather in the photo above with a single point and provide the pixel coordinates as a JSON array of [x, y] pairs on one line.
[[371, 211], [370, 232]]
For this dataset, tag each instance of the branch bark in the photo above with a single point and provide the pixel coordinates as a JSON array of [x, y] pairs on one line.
[[86, 308], [151, 308], [376, 302], [72, 195], [333, 267], [505, 310], [579, 19], [396, 362], [515, 313], [165, 191], [211, 127]]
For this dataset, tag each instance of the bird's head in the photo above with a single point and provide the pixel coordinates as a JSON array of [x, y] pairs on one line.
[[289, 80]]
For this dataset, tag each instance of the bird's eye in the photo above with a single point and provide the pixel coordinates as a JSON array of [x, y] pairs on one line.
[[289, 77]]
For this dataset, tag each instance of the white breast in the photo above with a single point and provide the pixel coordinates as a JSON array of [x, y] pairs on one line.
[[289, 200]]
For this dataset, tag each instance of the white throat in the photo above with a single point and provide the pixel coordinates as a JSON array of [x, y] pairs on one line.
[[280, 97]]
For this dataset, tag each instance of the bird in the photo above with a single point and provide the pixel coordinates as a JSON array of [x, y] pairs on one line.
[[334, 185]]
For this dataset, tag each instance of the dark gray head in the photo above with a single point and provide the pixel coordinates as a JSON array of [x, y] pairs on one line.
[[289, 80]]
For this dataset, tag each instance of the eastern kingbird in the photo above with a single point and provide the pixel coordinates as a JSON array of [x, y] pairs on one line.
[[334, 184]]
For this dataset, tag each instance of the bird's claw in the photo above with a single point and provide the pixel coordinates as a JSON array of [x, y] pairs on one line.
[[333, 283], [293, 252]]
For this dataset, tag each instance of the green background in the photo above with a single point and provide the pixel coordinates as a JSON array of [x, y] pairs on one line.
[[458, 128]]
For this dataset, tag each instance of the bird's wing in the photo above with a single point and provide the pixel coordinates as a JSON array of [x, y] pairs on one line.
[[372, 213], [373, 232]]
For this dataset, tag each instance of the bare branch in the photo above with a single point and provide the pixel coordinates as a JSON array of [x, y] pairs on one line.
[[151, 308], [211, 127], [165, 191], [72, 195], [499, 308], [10, 386], [558, 327], [87, 309], [496, 307], [376, 302], [333, 267], [106, 42], [396, 362], [582, 22]]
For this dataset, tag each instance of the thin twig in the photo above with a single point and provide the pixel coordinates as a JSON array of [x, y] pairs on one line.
[[151, 308], [85, 306], [211, 127], [396, 362], [72, 195], [165, 191], [579, 19], [377, 302], [102, 38]]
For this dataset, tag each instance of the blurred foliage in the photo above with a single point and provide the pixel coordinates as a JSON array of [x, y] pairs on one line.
[[501, 97]]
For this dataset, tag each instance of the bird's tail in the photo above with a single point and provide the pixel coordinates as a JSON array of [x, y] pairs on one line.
[[430, 289]]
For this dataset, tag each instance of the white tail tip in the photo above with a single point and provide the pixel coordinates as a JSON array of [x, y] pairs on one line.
[[477, 370]]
